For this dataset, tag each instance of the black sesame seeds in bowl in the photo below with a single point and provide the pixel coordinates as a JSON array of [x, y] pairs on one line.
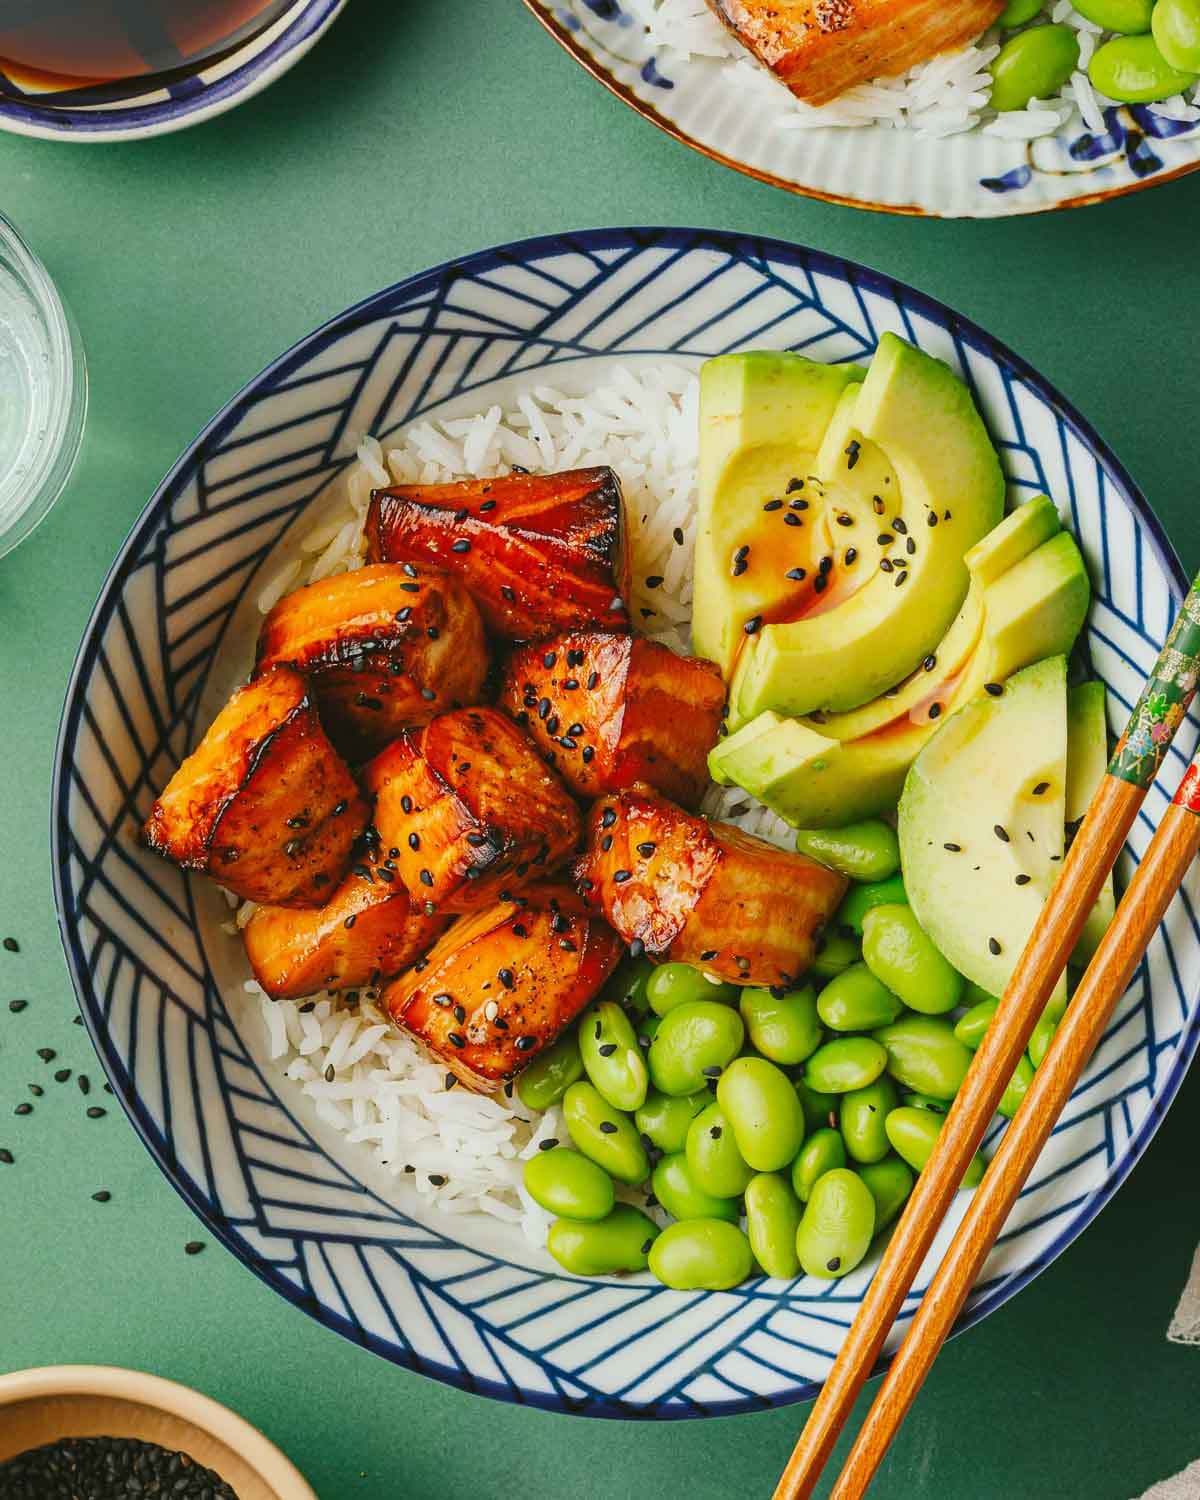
[[90, 1432]]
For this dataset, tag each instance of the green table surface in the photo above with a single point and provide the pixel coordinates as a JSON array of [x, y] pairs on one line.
[[413, 133]]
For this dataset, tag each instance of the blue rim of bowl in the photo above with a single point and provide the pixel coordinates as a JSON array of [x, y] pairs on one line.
[[189, 101], [517, 252]]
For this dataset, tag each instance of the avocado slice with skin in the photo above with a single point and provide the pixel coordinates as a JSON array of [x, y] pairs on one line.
[[821, 774], [763, 416], [1087, 761], [913, 459], [981, 822]]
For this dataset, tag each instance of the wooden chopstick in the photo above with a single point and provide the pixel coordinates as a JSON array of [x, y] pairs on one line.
[[1156, 715], [1164, 865]]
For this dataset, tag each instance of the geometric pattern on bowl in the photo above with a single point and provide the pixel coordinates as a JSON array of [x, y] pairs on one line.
[[159, 982], [704, 103]]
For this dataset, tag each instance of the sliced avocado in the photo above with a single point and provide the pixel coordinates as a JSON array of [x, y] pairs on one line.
[[981, 822], [913, 459], [819, 773], [762, 418], [1021, 532], [1087, 761], [812, 781]]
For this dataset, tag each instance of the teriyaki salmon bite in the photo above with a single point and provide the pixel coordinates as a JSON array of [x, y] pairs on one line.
[[639, 738]]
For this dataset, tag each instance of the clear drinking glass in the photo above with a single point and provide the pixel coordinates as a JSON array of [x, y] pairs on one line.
[[43, 390]]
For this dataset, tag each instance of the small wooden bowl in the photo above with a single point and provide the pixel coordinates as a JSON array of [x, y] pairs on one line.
[[58, 1401]]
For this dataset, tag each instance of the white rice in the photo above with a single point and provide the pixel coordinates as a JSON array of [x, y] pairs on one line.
[[941, 97], [463, 1152]]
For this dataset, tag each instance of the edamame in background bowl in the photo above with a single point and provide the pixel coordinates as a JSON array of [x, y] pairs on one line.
[[982, 109], [615, 1123]]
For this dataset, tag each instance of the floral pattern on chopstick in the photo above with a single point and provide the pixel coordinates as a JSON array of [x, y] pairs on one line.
[[1164, 700]]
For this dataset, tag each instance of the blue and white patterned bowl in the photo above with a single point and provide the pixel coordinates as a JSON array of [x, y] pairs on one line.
[[107, 113], [705, 104], [159, 982]]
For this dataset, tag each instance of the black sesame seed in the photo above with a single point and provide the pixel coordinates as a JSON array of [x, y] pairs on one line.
[[994, 688], [47, 1054], [442, 999], [885, 565], [715, 1132], [793, 485], [36, 1090], [23, 1109], [953, 848], [449, 1081], [621, 876], [833, 1263], [411, 588], [607, 1127], [85, 1083], [462, 545], [507, 979], [97, 1112], [901, 578], [852, 453], [11, 945], [899, 527], [877, 504], [752, 625], [103, 1196], [62, 1075], [607, 1050], [193, 1247], [713, 1072], [844, 520], [885, 539], [637, 948], [677, 534], [993, 946], [1041, 789], [456, 1039], [935, 710], [931, 518], [792, 520], [910, 547], [655, 580], [821, 582], [548, 1144], [6, 1156], [17, 1006], [739, 567], [406, 803], [773, 505], [487, 505], [426, 877], [929, 663], [797, 575], [508, 593], [437, 1179], [1023, 879], [708, 955], [1001, 833], [646, 849], [460, 1013], [851, 555]]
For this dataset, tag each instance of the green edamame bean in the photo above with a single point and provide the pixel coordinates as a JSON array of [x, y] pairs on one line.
[[677, 984], [970, 1029], [701, 1255], [551, 1073], [901, 956], [620, 1242], [713, 1158], [1043, 1032], [860, 899], [924, 1055], [819, 1109], [1129, 16], [627, 985], [838, 1224], [863, 851], [761, 1105], [857, 1001], [605, 1134], [889, 1182], [1176, 26], [848, 1062], [611, 1056], [785, 1027], [1017, 1085], [682, 1197], [824, 1151], [834, 953], [566, 1183], [861, 1119], [913, 1134], [665, 1120], [1034, 64], [772, 1219], [1132, 70], [1017, 12], [923, 1101], [694, 1042]]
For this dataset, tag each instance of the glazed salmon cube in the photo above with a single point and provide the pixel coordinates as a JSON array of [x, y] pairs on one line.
[[264, 804], [611, 710], [539, 552], [467, 807], [820, 48], [384, 648], [502, 983], [703, 893], [367, 931]]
